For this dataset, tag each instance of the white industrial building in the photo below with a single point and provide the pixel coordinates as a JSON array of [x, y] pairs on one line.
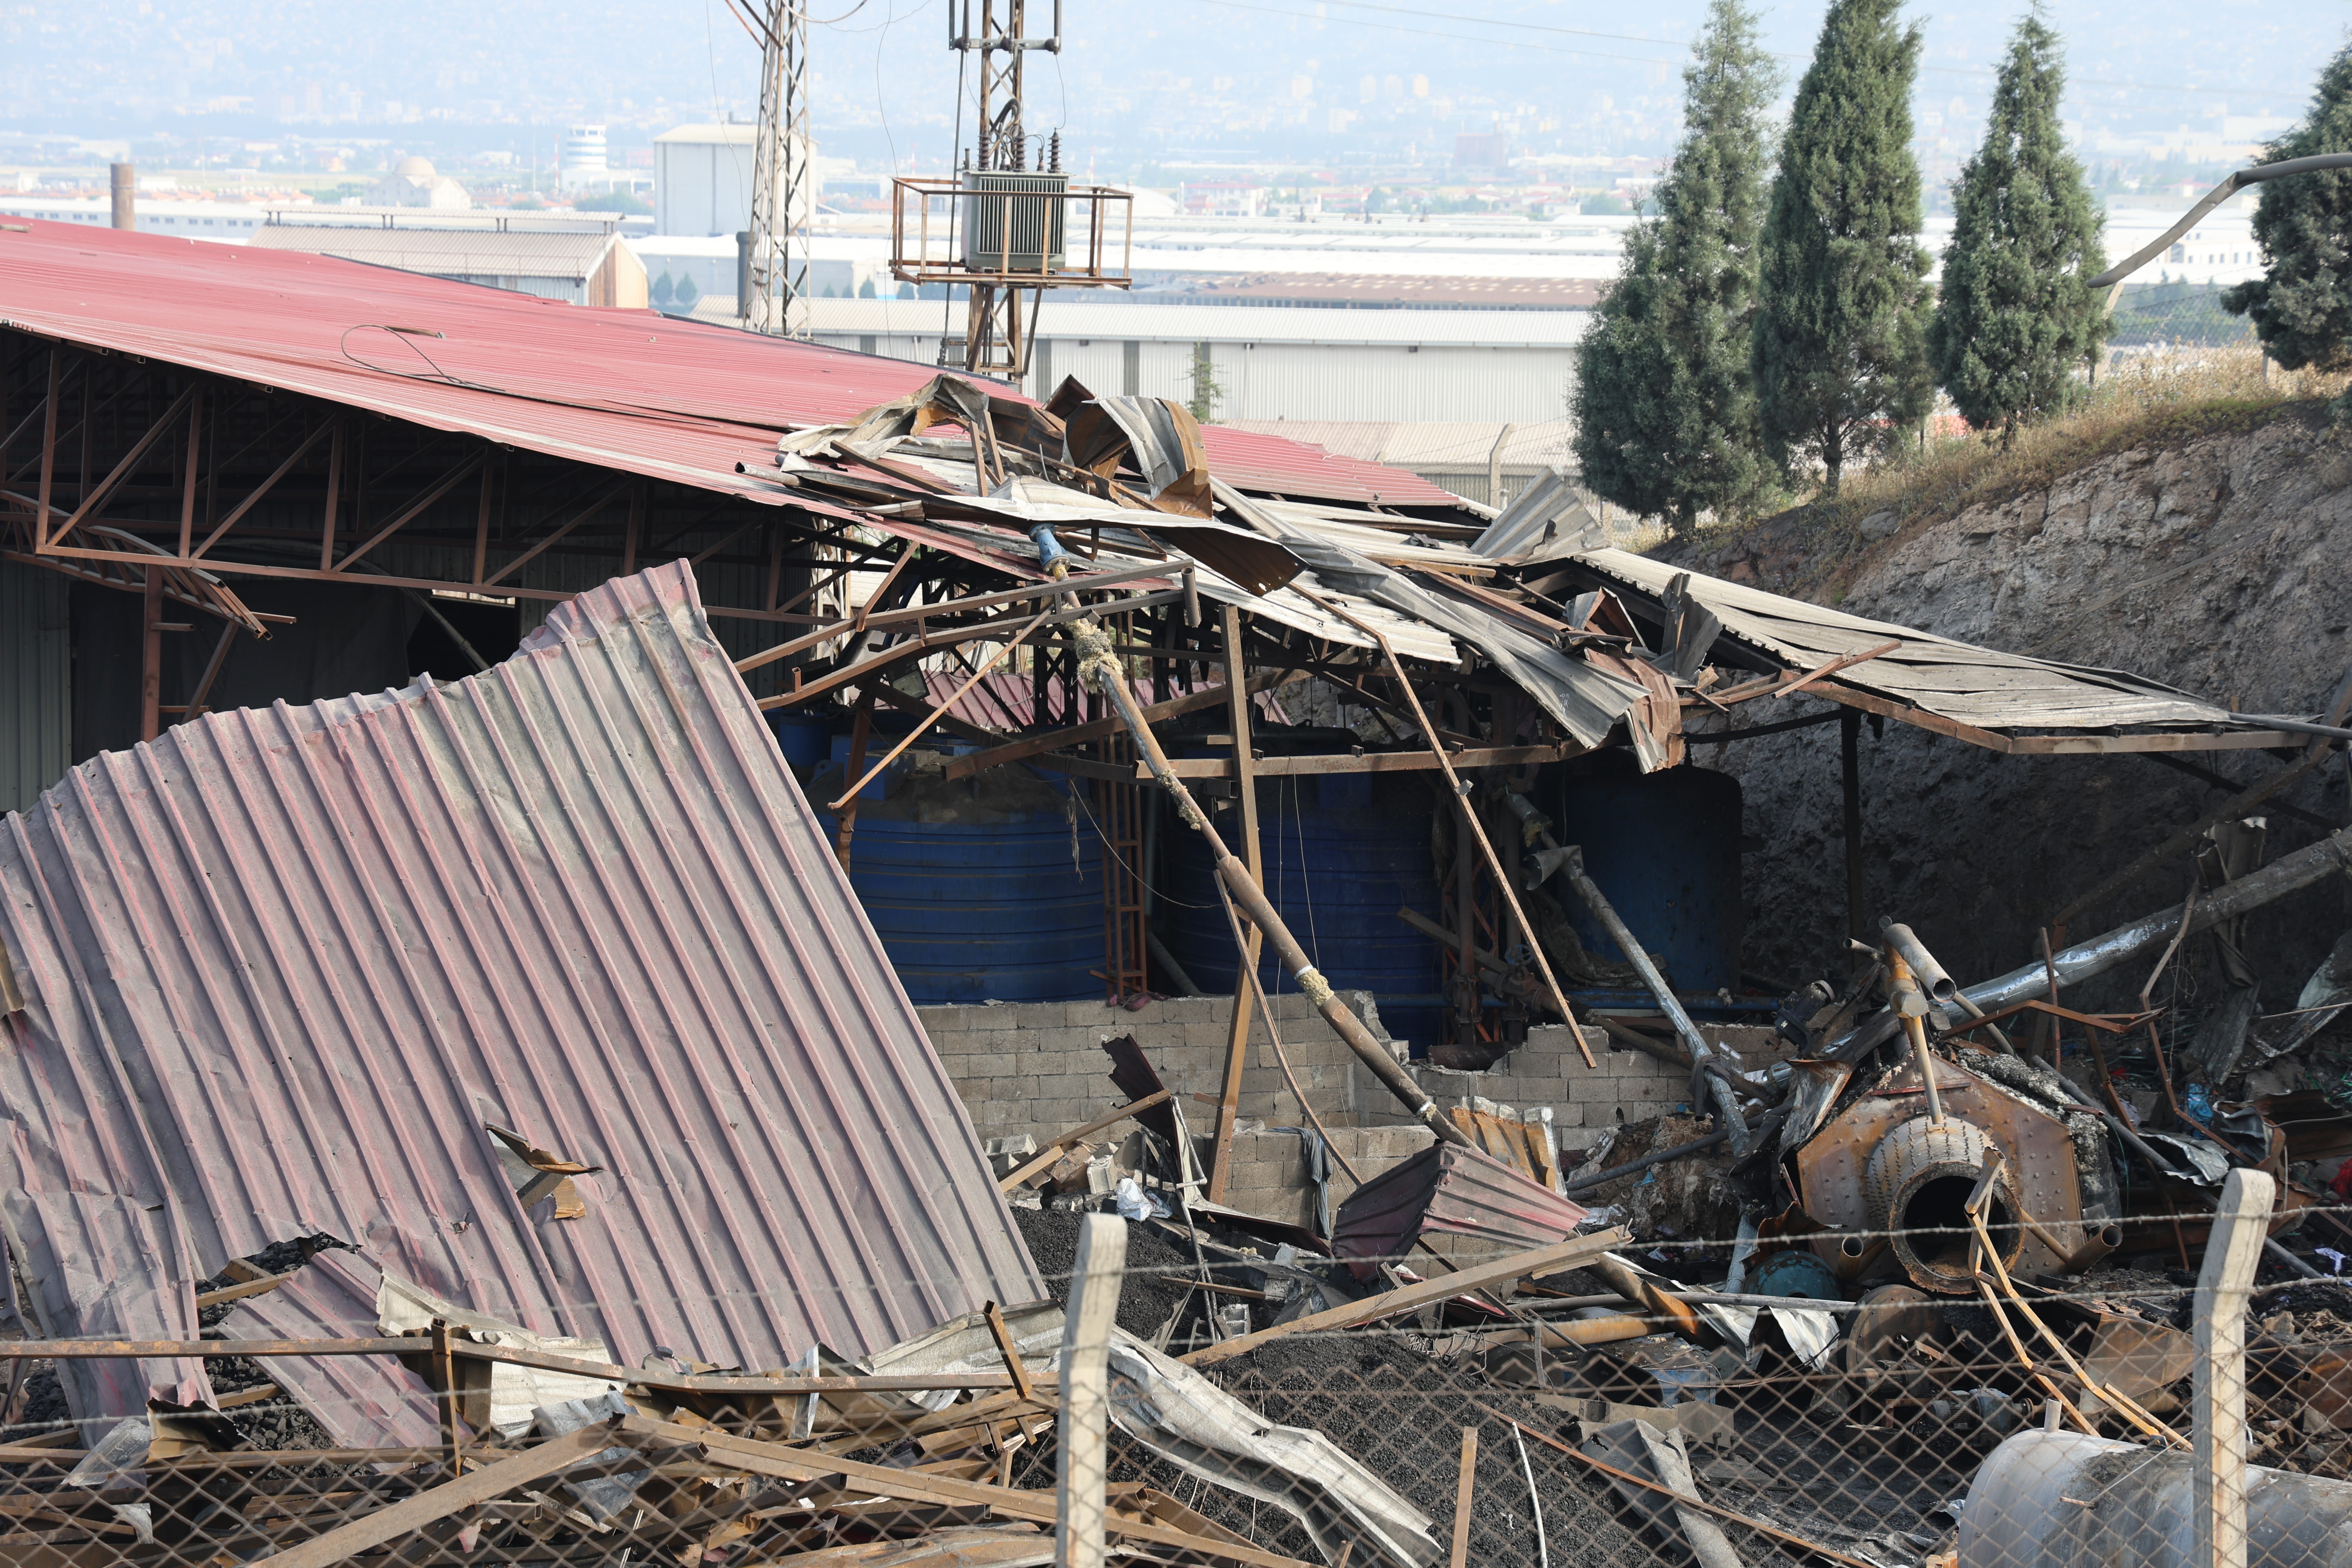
[[702, 179], [580, 264], [1267, 362]]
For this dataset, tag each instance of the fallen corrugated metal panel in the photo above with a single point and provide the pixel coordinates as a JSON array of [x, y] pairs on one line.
[[1981, 687], [364, 1402], [1448, 1190], [284, 970]]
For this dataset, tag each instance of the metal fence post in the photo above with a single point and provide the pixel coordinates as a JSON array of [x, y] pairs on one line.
[[2219, 1401], [1085, 1437]]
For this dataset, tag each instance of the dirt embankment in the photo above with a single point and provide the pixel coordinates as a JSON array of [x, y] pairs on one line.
[[2221, 564]]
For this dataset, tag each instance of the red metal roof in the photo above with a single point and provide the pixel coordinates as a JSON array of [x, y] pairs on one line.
[[283, 968], [623, 389]]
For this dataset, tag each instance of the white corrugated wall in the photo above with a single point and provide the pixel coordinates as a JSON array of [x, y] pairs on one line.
[[35, 683]]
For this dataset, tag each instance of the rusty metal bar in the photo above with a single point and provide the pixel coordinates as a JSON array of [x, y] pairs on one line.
[[188, 479], [1102, 664], [96, 498], [151, 656], [1237, 1028], [447, 483], [1461, 793], [254, 499]]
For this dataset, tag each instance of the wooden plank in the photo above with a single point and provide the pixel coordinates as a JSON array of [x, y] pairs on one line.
[[1053, 1151], [1919, 718], [1560, 1255], [415, 1512], [1038, 1507], [238, 1293], [1462, 1491], [1367, 763], [2195, 740]]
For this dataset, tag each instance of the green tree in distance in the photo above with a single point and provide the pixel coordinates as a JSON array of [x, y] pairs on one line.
[[1841, 346], [2017, 316], [2302, 304], [1665, 406]]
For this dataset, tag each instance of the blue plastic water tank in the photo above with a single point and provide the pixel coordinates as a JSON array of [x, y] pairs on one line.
[[1665, 849], [804, 737], [1341, 853], [974, 891]]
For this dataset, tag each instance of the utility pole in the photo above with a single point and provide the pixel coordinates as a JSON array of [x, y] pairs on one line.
[[999, 227], [776, 273], [999, 237]]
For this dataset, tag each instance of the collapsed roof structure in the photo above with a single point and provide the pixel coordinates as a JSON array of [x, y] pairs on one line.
[[541, 990]]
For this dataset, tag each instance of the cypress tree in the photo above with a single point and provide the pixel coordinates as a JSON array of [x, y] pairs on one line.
[[1665, 410], [1840, 352], [2302, 304], [2016, 316]]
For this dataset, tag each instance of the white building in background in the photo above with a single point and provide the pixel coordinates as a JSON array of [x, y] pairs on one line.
[[1267, 362], [586, 161], [412, 183], [702, 180]]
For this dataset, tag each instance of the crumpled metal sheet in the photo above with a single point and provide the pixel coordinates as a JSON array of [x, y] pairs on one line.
[[1583, 701], [283, 970], [1198, 1426]]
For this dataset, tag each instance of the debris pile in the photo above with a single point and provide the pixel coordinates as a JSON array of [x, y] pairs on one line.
[[500, 1077]]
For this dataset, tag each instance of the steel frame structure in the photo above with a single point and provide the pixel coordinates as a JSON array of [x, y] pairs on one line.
[[778, 174]]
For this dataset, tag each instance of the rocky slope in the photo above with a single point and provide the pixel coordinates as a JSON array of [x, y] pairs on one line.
[[2221, 564]]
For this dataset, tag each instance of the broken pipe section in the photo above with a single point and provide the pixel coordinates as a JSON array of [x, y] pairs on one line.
[[2047, 1500]]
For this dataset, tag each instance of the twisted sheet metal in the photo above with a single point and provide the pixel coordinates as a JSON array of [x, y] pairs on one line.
[[283, 968]]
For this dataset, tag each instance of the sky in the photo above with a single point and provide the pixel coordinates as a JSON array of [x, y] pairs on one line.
[[1137, 81]]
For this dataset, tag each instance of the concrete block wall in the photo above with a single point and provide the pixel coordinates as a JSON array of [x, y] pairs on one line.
[[1621, 1086], [1039, 1067], [1269, 1173]]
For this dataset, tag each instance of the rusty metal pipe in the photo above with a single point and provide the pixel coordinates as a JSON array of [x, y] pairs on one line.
[[2084, 959], [1909, 1004], [1726, 1101], [1939, 986], [1627, 1281], [1098, 661]]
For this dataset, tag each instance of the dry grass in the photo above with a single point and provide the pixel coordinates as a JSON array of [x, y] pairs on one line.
[[2161, 398]]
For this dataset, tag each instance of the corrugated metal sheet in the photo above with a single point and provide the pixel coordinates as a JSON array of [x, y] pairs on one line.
[[35, 683], [283, 969], [623, 389], [1448, 1190], [1979, 686], [446, 253]]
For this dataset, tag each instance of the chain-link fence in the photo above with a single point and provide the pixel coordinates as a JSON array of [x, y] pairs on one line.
[[1573, 1404]]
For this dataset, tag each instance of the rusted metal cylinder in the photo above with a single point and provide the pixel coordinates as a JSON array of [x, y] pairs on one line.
[[2050, 1500], [1916, 1182]]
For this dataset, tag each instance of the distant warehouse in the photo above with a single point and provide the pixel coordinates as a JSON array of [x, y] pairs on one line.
[[580, 263], [1260, 363]]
